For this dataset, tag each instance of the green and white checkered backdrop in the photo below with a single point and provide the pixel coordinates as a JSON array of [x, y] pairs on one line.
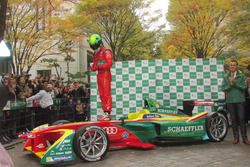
[[168, 81]]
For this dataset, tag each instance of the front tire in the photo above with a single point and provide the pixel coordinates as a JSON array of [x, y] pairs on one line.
[[90, 143], [216, 126]]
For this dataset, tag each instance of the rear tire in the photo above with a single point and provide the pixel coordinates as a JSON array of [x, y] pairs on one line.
[[216, 126], [90, 143]]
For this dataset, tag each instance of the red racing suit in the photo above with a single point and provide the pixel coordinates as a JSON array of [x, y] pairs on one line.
[[102, 62]]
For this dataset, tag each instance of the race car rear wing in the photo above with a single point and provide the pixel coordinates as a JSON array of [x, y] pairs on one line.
[[188, 106]]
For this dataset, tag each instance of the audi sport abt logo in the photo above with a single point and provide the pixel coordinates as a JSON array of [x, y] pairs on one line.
[[111, 130]]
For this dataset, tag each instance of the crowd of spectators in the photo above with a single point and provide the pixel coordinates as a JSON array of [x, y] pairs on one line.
[[71, 101]]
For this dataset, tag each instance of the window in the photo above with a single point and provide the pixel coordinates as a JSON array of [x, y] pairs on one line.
[[44, 73], [5, 66]]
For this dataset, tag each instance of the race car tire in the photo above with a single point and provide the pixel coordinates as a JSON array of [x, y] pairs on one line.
[[90, 143], [224, 113], [60, 122], [216, 126]]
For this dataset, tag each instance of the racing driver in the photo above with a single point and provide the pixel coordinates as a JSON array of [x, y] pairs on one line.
[[102, 62]]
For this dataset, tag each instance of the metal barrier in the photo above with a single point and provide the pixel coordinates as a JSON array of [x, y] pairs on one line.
[[19, 117]]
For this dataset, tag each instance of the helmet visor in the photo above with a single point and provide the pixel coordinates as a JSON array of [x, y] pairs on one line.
[[94, 46]]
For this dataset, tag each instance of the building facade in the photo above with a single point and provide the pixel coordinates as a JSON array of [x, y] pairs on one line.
[[82, 54], [82, 57]]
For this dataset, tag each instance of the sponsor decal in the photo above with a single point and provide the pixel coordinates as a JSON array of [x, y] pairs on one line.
[[125, 135], [185, 128], [101, 62], [204, 103], [67, 148], [151, 116], [68, 152], [111, 130], [52, 153], [30, 136], [167, 111], [66, 141], [41, 145], [49, 159], [59, 153], [62, 158]]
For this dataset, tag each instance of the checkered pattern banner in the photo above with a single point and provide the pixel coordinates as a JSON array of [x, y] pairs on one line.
[[168, 81]]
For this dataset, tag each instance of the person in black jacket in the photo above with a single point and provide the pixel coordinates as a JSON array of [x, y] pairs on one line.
[[77, 92], [5, 159]]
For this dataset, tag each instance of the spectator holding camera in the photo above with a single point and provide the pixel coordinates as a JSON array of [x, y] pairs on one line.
[[22, 90]]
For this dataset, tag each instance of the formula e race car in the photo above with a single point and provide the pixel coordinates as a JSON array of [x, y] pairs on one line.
[[90, 141]]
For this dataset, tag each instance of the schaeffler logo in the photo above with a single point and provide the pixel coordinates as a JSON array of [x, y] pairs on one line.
[[185, 128], [111, 130]]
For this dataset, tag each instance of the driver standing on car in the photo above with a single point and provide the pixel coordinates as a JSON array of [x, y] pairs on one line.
[[234, 84], [102, 62]]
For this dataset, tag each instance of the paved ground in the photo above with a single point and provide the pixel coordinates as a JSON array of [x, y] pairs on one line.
[[205, 154]]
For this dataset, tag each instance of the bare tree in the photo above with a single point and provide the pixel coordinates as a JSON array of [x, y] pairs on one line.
[[28, 34]]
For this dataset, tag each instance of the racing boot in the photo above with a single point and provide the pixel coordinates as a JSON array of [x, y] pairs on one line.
[[105, 117]]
